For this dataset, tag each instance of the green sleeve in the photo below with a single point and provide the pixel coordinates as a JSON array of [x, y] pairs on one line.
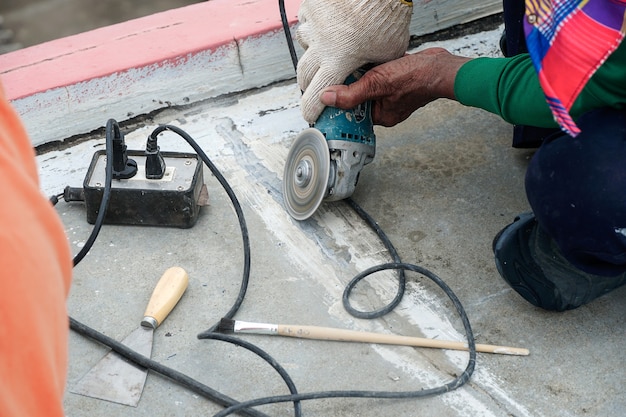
[[509, 87]]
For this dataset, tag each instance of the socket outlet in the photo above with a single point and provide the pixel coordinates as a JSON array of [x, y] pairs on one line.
[[172, 201]]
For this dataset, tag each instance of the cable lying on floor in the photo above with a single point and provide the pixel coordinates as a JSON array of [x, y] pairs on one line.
[[111, 130], [456, 383], [295, 397], [178, 377], [232, 406], [397, 265]]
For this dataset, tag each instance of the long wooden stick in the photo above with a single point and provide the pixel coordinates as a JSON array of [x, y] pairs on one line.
[[341, 335]]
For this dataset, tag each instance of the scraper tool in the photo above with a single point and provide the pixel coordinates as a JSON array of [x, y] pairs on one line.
[[114, 378]]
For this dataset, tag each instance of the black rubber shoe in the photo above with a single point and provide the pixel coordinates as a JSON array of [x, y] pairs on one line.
[[532, 265]]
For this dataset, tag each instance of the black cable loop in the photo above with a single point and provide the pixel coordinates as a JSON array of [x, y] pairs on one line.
[[454, 384], [396, 258]]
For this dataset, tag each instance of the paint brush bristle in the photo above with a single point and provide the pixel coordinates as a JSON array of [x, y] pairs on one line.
[[226, 326]]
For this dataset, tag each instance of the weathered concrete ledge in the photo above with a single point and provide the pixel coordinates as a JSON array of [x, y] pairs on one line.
[[73, 85]]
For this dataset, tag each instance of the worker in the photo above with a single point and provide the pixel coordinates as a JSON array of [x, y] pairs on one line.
[[36, 269], [562, 84]]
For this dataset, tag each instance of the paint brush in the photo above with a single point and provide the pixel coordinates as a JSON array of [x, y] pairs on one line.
[[341, 335]]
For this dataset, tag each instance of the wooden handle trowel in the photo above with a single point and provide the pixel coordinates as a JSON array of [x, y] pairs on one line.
[[114, 378]]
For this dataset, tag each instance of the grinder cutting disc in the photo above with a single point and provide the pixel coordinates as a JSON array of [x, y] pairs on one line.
[[307, 169]]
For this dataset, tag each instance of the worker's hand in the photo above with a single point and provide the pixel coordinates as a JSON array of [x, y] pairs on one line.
[[398, 88], [340, 36]]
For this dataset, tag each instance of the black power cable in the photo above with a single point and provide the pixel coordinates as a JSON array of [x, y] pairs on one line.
[[397, 265], [366, 217], [233, 198], [243, 407], [111, 129], [454, 384], [396, 258], [295, 397], [290, 45], [145, 362]]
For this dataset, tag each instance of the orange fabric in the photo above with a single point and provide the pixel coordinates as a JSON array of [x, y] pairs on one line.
[[36, 266]]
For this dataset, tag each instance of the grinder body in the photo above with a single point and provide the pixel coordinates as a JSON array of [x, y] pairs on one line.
[[326, 160], [352, 145]]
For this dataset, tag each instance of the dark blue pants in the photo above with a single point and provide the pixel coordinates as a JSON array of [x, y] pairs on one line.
[[576, 186], [577, 190]]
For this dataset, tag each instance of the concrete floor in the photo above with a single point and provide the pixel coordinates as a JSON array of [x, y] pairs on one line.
[[442, 184]]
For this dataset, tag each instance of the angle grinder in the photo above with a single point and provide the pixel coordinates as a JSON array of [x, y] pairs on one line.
[[325, 160]]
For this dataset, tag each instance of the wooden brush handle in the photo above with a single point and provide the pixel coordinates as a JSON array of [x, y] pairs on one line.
[[165, 296], [328, 333]]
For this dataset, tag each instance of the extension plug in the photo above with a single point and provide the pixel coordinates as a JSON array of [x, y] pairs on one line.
[[173, 200]]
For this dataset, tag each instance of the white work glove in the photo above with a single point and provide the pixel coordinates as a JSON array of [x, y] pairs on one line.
[[340, 36]]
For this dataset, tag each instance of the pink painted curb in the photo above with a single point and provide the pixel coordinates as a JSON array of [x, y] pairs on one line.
[[167, 38]]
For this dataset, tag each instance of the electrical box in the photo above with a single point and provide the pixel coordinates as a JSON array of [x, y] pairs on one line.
[[173, 200]]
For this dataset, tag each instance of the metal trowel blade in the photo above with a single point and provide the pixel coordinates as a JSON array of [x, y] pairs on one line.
[[114, 378]]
